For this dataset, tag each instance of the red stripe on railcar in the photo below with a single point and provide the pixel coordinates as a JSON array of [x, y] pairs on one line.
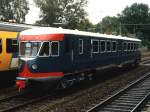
[[27, 74], [42, 37]]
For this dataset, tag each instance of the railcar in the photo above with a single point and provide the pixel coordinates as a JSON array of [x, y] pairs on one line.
[[9, 48], [49, 56]]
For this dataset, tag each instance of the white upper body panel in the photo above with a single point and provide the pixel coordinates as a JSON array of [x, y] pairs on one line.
[[50, 30]]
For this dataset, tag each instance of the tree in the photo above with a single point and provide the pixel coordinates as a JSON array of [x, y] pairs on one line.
[[135, 14], [68, 12], [86, 25], [108, 25], [13, 10]]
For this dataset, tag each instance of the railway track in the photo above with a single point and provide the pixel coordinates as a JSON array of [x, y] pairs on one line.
[[130, 99], [17, 101]]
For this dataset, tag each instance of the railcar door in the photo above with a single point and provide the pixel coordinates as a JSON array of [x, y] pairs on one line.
[[120, 51]]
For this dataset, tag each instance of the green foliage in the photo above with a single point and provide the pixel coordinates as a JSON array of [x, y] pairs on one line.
[[135, 14], [108, 25], [68, 12], [13, 10], [86, 25]]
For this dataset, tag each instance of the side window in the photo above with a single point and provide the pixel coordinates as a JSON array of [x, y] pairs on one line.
[[44, 52], [95, 47], [119, 46], [125, 46], [0, 45], [108, 46], [102, 46], [55, 48], [114, 46], [134, 49], [80, 46], [11, 45], [129, 46]]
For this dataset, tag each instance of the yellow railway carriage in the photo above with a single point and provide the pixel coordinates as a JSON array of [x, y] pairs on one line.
[[8, 50]]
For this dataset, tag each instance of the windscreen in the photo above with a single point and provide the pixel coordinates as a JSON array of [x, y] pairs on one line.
[[29, 49]]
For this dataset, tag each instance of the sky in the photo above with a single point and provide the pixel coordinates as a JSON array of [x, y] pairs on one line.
[[96, 9]]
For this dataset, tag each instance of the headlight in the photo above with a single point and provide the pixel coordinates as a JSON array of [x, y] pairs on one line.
[[34, 67]]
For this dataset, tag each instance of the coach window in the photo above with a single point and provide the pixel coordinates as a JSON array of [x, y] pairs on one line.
[[134, 47], [129, 46], [108, 46], [102, 46], [125, 46], [0, 45], [55, 48], [12, 45], [114, 46], [44, 52], [80, 46], [95, 48]]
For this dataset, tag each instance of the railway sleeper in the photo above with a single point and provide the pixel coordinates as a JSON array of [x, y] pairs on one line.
[[115, 110]]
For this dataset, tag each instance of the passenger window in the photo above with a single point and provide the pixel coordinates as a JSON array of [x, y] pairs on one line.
[[125, 46], [80, 46], [95, 48], [119, 46], [12, 45], [129, 46], [44, 52], [55, 48], [134, 47], [102, 46], [0, 45], [108, 46], [114, 46]]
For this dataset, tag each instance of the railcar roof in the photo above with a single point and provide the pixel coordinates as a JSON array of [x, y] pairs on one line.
[[6, 26], [50, 30]]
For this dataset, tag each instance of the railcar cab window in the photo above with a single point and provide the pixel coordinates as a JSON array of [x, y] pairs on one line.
[[95, 47], [108, 46], [11, 45], [114, 46], [55, 48], [102, 46], [29, 49], [0, 45], [80, 46], [44, 52]]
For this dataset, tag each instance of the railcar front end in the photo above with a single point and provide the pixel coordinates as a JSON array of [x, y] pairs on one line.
[[39, 60]]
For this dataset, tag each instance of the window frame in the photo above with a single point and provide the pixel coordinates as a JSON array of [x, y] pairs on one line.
[[12, 45], [57, 50], [110, 46], [42, 42], [82, 45], [129, 46], [101, 46], [125, 47], [97, 46], [31, 41]]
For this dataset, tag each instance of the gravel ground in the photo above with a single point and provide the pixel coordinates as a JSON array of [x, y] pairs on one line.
[[79, 98]]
